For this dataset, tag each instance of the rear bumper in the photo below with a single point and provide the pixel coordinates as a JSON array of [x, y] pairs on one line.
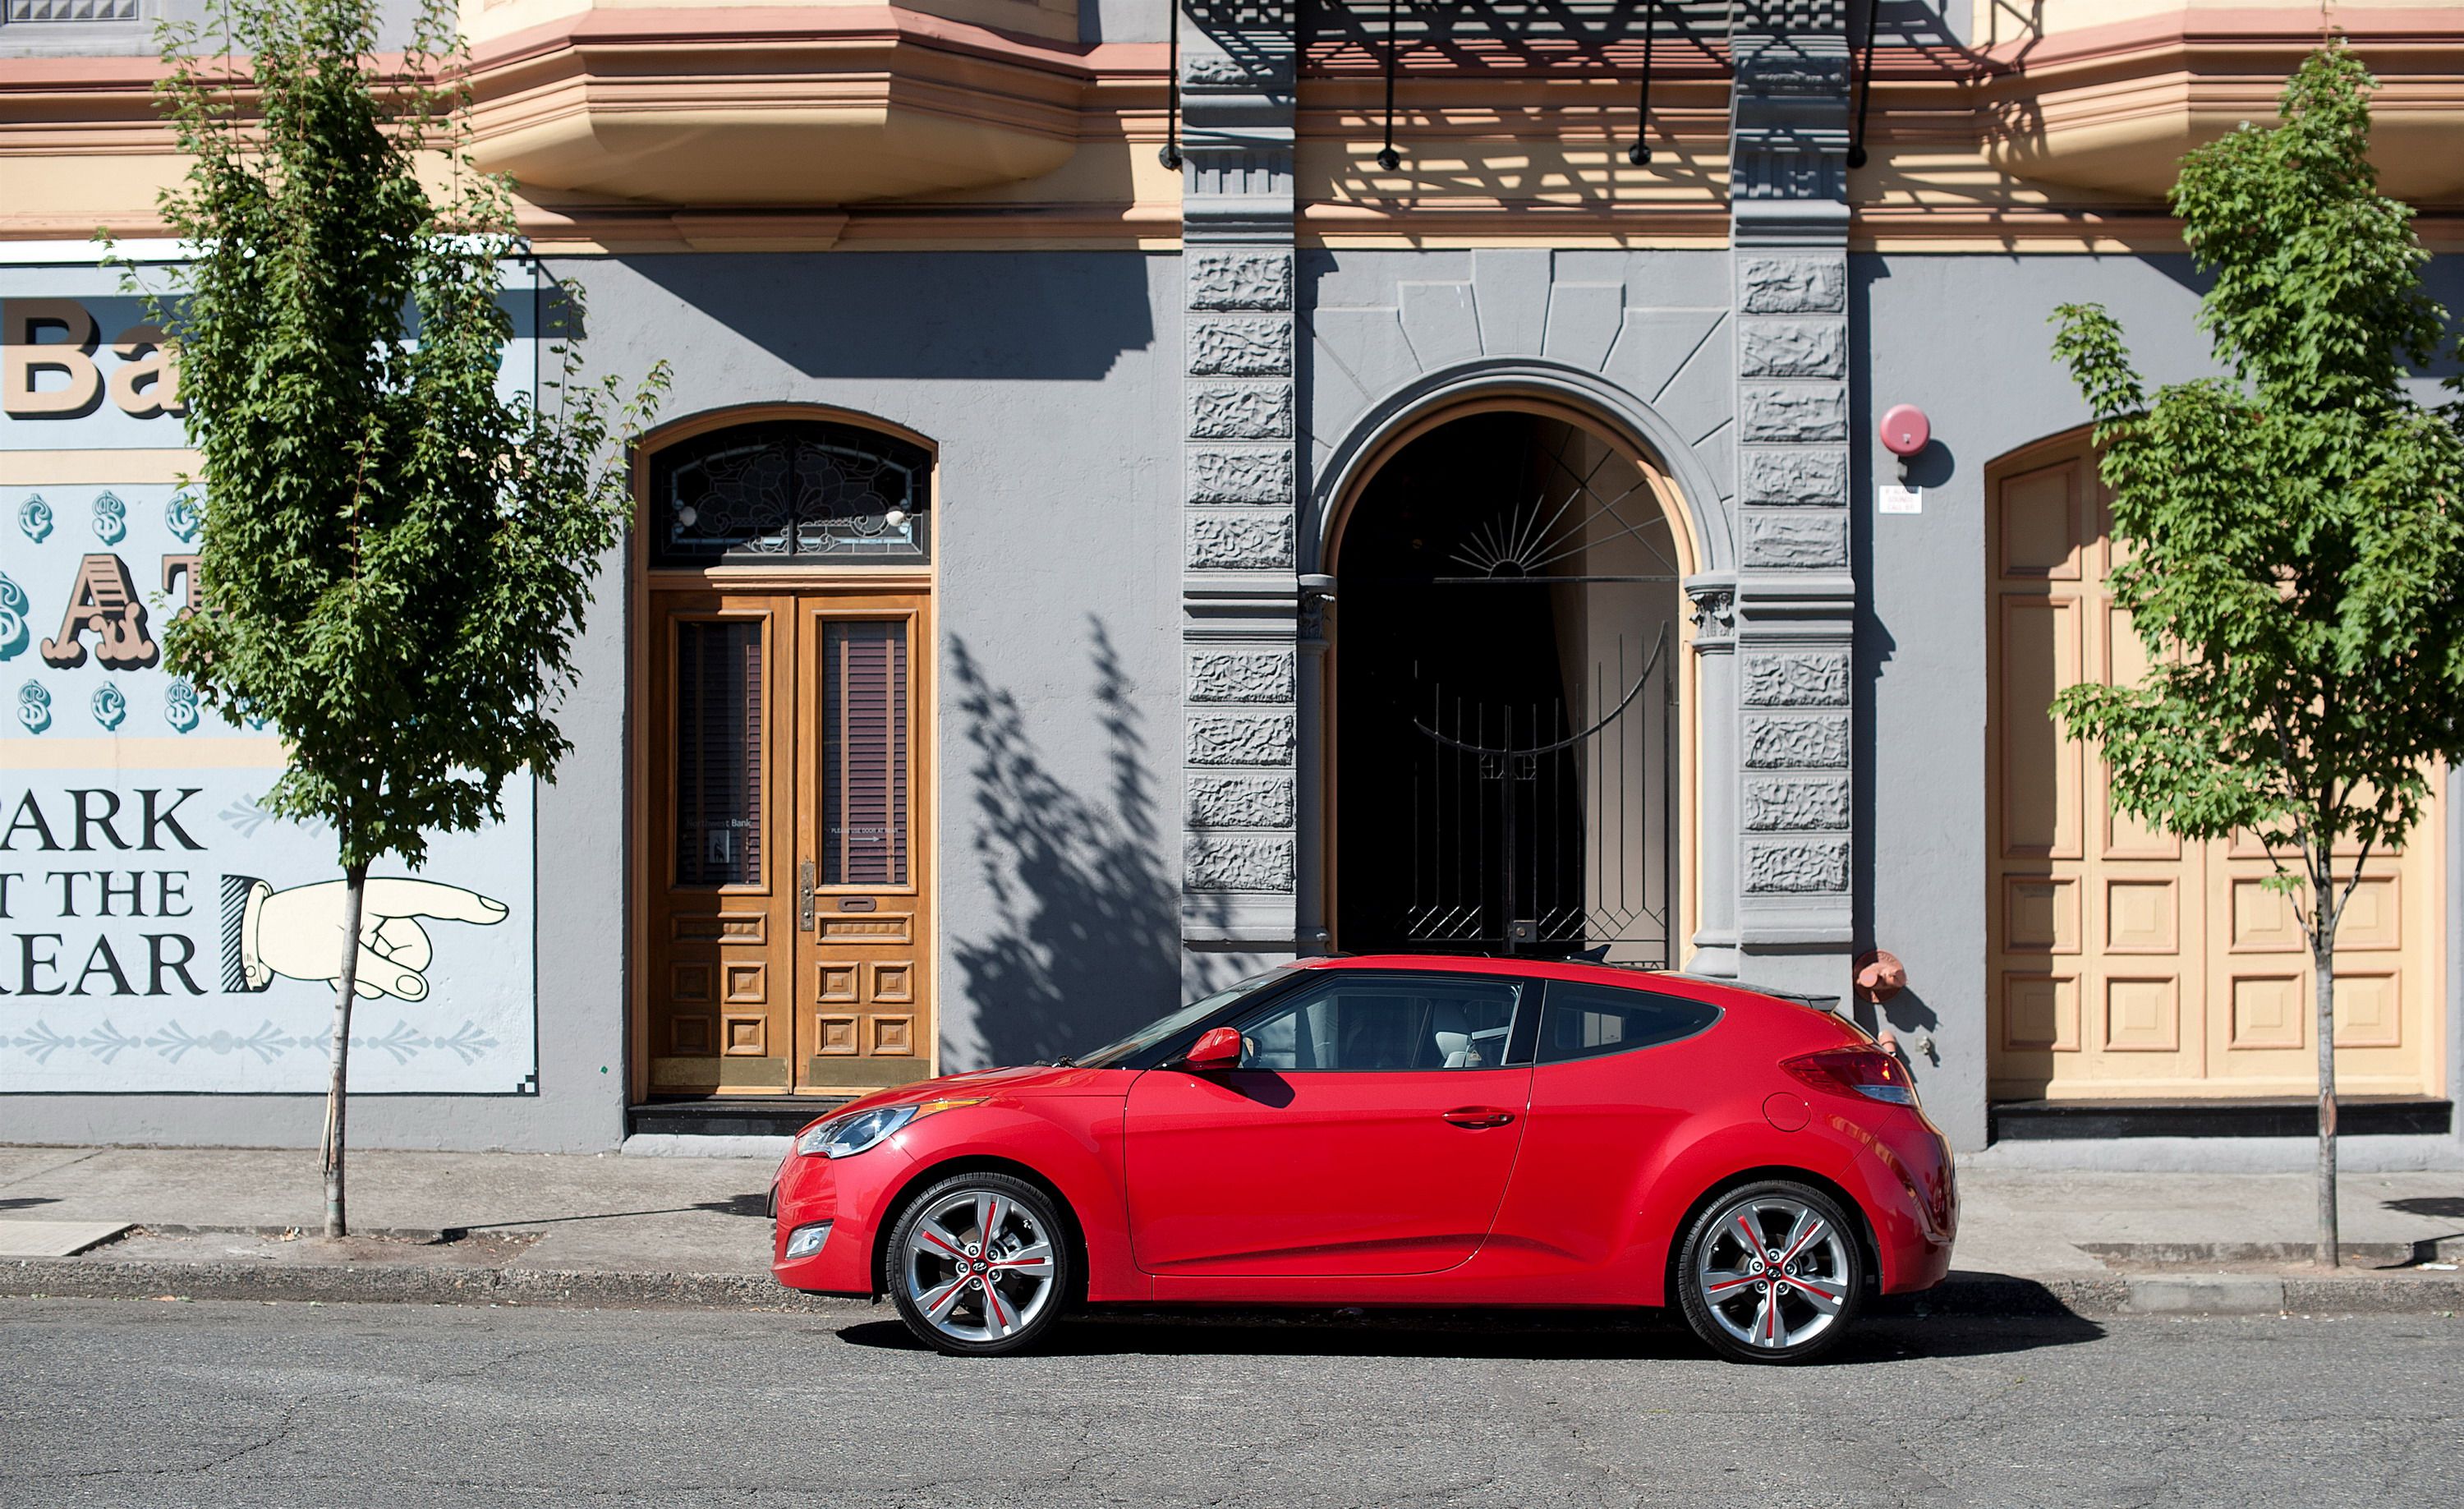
[[1910, 1192]]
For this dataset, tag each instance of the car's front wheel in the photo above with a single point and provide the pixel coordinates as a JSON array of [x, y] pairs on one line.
[[977, 1265], [1770, 1273]]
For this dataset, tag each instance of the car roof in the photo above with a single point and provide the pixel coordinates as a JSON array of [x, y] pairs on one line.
[[1704, 987]]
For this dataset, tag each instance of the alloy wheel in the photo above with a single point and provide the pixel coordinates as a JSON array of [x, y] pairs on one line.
[[1774, 1274], [979, 1265]]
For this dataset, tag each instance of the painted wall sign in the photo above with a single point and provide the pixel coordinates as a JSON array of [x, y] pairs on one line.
[[52, 366], [160, 931]]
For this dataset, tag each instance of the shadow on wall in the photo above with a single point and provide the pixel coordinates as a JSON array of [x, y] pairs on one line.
[[1083, 890], [1013, 317]]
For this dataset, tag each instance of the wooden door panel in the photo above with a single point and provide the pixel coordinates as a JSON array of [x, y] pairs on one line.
[[2143, 915], [2126, 662], [2267, 1012], [2040, 914], [2041, 1012], [2039, 515], [2143, 1015], [2041, 797], [718, 948], [2135, 963], [863, 827]]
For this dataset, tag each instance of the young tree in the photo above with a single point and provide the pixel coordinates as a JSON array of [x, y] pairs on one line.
[[2295, 532], [396, 555]]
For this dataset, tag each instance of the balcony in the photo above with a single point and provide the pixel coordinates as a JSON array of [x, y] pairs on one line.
[[766, 107]]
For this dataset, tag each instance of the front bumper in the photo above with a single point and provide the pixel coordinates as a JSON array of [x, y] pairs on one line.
[[849, 1193]]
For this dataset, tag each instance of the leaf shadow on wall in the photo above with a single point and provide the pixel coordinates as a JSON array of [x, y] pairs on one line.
[[1084, 901]]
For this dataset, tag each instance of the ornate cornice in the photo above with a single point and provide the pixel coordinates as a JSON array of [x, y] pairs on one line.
[[922, 130]]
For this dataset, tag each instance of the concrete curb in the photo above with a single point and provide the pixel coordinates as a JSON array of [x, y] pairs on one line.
[[2124, 1294], [1967, 1294], [2128, 1255], [402, 1283]]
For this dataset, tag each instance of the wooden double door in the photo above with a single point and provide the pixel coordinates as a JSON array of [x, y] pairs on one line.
[[2122, 960], [787, 859]]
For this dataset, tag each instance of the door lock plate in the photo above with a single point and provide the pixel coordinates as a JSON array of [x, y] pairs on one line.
[[804, 897]]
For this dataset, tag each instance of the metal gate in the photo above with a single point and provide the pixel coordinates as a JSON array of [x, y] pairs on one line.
[[1538, 838]]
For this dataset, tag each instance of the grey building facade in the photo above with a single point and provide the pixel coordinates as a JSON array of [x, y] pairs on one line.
[[1352, 557]]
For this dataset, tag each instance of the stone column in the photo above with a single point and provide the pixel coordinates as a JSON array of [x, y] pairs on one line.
[[1238, 594], [1795, 598], [1714, 598]]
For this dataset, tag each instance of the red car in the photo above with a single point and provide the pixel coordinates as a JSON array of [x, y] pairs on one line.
[[1396, 1131]]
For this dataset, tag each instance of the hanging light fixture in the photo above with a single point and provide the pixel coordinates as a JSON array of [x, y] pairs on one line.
[[1640, 153], [1388, 157], [1168, 154], [1865, 87]]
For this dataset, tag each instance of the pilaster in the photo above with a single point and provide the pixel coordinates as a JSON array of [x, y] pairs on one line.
[[1795, 598], [1713, 596], [1239, 597]]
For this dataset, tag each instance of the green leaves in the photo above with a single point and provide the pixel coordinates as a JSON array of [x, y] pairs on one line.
[[2317, 296], [2296, 557], [397, 552]]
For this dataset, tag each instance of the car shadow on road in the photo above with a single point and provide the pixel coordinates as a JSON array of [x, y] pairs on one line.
[[1548, 1336]]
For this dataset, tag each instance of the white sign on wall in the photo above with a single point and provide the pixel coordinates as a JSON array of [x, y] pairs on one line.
[[160, 931]]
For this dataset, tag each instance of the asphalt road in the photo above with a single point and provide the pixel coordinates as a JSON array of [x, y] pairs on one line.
[[271, 1405]]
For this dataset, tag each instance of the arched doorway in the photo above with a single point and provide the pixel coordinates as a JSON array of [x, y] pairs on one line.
[[2124, 963], [782, 820], [1504, 690]]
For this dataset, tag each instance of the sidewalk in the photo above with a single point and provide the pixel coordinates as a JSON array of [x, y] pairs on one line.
[[614, 1228]]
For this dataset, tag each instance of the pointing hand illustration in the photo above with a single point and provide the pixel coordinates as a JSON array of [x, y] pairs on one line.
[[296, 933]]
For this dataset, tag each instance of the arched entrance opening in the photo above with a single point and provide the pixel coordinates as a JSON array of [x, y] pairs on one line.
[[782, 834], [1504, 690], [2124, 963]]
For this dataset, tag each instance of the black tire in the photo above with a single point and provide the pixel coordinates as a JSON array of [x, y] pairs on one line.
[[971, 1304], [1823, 1280]]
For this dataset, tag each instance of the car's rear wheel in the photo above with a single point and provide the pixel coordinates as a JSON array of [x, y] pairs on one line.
[[1771, 1272], [977, 1265]]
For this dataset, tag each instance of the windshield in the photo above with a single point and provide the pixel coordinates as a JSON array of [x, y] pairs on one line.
[[1190, 1015]]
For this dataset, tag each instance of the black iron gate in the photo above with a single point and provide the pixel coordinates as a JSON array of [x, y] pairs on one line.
[[1507, 699], [1535, 837]]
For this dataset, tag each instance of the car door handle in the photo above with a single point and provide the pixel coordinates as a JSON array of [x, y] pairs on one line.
[[1477, 1117]]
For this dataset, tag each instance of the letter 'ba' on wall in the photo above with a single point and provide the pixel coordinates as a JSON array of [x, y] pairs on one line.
[[160, 931]]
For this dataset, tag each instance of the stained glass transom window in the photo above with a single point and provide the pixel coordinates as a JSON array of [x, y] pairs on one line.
[[792, 490]]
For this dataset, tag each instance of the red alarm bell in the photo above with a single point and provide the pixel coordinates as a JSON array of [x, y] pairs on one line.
[[1905, 430]]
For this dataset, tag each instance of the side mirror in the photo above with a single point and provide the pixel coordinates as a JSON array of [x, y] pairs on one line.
[[1216, 1048]]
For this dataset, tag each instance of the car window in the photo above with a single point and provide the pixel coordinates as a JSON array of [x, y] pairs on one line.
[[1585, 1021], [1196, 1011], [1385, 1022]]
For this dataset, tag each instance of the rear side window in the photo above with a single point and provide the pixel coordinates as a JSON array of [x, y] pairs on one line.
[[1586, 1021]]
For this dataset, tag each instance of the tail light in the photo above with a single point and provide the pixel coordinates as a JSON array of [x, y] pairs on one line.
[[1858, 1068]]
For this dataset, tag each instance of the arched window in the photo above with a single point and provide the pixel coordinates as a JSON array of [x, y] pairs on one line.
[[790, 489]]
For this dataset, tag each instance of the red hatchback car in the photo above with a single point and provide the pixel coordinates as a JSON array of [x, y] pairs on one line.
[[1396, 1131]]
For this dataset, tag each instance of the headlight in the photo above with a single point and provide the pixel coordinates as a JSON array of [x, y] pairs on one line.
[[846, 1136]]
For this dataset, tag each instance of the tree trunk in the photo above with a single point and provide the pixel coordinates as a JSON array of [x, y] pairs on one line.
[[2322, 954], [355, 887]]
